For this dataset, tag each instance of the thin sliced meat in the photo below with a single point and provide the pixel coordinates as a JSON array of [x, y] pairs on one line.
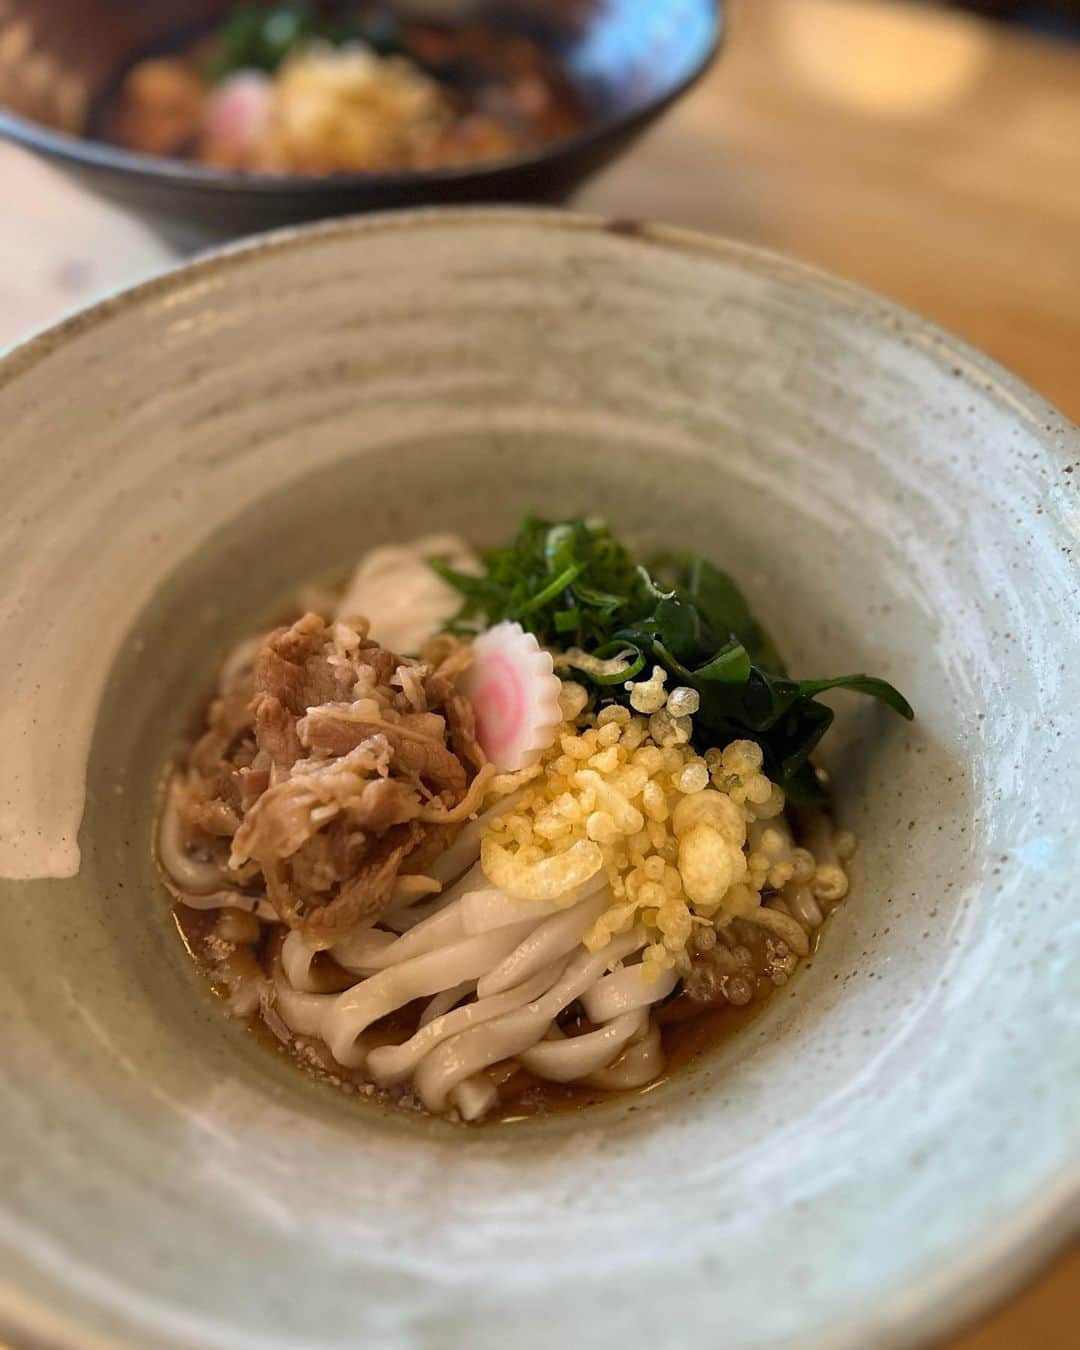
[[382, 662], [319, 864], [216, 817], [253, 783], [328, 732], [275, 731], [290, 812], [447, 655], [297, 642], [410, 678], [229, 718], [384, 802], [293, 665], [460, 719], [365, 897], [334, 765], [279, 661], [276, 826], [435, 840]]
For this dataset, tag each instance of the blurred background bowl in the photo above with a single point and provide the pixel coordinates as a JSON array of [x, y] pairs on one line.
[[628, 58]]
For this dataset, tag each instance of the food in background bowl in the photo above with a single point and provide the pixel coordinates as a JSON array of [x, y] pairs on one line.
[[511, 869], [296, 90]]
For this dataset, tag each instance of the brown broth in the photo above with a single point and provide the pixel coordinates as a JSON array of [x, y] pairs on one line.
[[687, 1036], [685, 1041]]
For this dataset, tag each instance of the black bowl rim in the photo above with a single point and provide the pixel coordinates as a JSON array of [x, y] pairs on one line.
[[85, 152]]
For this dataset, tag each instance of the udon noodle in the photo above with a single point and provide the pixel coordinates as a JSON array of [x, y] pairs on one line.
[[455, 933]]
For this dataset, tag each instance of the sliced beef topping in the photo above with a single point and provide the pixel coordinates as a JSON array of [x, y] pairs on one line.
[[331, 765]]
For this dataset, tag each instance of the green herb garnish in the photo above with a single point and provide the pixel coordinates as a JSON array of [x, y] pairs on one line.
[[573, 584], [260, 37]]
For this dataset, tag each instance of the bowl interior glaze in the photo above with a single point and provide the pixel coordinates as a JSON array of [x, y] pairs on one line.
[[888, 1145]]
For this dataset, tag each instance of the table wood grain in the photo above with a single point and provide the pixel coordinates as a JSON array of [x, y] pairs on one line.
[[931, 156]]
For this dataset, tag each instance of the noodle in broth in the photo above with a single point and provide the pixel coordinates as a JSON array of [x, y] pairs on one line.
[[372, 870]]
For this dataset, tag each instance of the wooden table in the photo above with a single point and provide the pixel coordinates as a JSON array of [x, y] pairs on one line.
[[932, 157]]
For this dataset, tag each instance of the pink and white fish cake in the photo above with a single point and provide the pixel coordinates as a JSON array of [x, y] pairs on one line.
[[515, 695], [238, 112]]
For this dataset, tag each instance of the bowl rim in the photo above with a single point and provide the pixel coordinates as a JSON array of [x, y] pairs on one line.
[[88, 152], [995, 1264]]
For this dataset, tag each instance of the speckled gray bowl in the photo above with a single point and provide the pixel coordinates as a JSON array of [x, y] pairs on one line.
[[891, 1146]]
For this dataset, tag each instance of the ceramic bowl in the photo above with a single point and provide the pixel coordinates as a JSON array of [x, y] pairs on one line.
[[890, 1146], [630, 59]]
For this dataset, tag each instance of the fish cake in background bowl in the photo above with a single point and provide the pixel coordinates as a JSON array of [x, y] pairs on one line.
[[195, 462]]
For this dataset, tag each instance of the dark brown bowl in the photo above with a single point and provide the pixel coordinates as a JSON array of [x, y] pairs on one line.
[[628, 58]]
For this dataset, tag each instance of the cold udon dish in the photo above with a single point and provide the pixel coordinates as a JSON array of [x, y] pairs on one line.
[[481, 833]]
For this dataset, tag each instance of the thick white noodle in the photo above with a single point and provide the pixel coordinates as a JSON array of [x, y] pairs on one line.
[[507, 1036], [367, 951], [413, 888], [392, 1063], [783, 926], [402, 918], [464, 852], [195, 875], [470, 880], [296, 959], [442, 1003], [572, 1057], [419, 977], [364, 949], [635, 1067], [801, 903], [228, 899], [301, 1012], [551, 938], [489, 908], [475, 1097], [625, 990]]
